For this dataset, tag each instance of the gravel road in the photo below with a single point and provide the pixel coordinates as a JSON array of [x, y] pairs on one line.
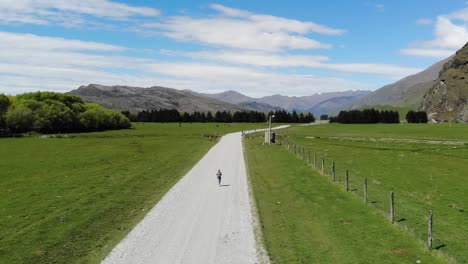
[[198, 221]]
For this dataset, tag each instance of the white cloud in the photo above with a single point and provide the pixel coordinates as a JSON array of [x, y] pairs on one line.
[[450, 34], [63, 11], [425, 52], [240, 29], [424, 21], [12, 41], [380, 7], [269, 22], [61, 65], [278, 60]]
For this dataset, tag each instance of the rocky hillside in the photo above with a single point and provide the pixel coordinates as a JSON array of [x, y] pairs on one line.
[[137, 99], [447, 99], [407, 92]]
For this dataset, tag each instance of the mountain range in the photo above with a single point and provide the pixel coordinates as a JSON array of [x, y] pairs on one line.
[[441, 90], [407, 92], [318, 104], [138, 99]]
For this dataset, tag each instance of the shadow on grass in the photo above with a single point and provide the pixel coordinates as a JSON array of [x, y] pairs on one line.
[[440, 246]]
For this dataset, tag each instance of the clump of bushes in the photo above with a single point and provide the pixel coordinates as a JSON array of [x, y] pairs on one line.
[[366, 116], [416, 117], [49, 112]]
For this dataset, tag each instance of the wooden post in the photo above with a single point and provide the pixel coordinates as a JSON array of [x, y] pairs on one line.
[[323, 165], [333, 172], [315, 160], [295, 149], [392, 208], [429, 231], [303, 155], [347, 180], [365, 190]]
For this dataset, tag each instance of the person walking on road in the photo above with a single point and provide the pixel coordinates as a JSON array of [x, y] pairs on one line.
[[219, 174]]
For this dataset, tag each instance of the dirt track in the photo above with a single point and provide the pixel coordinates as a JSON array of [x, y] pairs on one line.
[[198, 221]]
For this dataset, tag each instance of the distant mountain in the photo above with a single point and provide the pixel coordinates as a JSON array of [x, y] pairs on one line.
[[332, 105], [294, 103], [407, 92], [231, 96], [447, 99], [137, 99], [260, 107]]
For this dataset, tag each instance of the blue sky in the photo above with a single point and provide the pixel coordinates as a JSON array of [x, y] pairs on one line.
[[293, 47]]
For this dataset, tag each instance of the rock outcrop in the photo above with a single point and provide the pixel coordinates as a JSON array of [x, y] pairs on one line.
[[447, 100]]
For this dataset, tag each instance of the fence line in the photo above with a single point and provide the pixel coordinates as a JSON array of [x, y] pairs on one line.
[[287, 143]]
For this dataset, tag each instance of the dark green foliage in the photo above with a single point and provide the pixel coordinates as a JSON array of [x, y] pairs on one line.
[[366, 116], [49, 112], [416, 117], [324, 117], [4, 104], [164, 115]]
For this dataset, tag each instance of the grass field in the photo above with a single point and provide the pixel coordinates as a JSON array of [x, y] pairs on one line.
[[305, 218], [70, 200], [429, 174]]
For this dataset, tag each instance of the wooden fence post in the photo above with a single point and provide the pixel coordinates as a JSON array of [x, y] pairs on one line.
[[347, 180], [315, 160], [333, 172], [429, 231], [303, 153], [392, 208], [365, 190], [323, 166]]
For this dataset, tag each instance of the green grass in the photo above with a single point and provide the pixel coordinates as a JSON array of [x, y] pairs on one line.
[[423, 176], [71, 200], [305, 218], [409, 131]]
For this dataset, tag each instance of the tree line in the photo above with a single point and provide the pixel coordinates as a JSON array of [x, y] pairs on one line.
[[416, 117], [173, 115], [366, 116], [49, 112]]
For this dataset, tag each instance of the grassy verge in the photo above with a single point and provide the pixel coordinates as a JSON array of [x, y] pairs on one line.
[[424, 176], [305, 218], [71, 200]]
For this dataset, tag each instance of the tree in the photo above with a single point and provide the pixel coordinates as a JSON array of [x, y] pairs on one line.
[[19, 119], [4, 104], [416, 117]]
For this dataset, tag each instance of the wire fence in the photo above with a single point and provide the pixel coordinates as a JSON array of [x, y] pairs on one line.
[[344, 177]]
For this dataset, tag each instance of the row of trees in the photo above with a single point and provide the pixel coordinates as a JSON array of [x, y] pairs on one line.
[[49, 112], [416, 117], [165, 115], [366, 116]]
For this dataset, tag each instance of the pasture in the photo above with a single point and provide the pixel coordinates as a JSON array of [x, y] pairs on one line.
[[72, 199], [425, 165], [305, 218]]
